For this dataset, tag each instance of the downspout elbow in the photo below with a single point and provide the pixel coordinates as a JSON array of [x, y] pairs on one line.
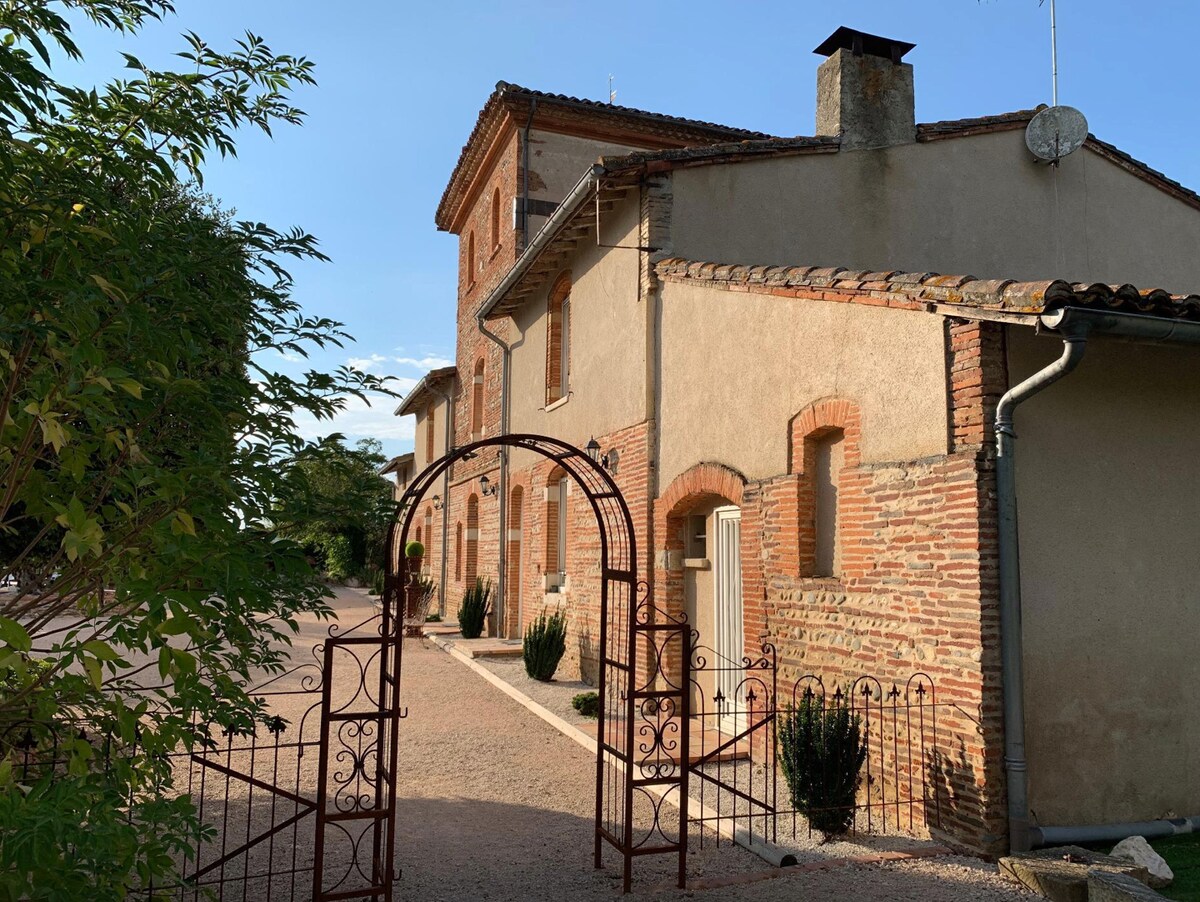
[[1073, 347]]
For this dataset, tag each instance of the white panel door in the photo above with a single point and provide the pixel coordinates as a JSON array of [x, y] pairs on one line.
[[729, 640]]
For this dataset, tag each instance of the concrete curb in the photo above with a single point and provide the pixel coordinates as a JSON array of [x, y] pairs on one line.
[[725, 826]]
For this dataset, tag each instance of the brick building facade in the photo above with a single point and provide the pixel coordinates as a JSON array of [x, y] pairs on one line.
[[613, 286]]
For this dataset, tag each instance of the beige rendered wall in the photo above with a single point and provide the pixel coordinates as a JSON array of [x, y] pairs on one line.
[[975, 205], [1108, 506], [607, 345], [736, 367], [557, 162]]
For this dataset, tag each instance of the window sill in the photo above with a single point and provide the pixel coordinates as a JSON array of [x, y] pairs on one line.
[[554, 405], [696, 563]]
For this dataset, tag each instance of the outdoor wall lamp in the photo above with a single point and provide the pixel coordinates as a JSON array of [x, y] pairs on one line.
[[437, 502], [486, 488], [608, 460]]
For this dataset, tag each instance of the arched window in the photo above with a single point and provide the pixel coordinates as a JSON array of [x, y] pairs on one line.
[[512, 604], [458, 552], [472, 563], [429, 432], [824, 450], [477, 402], [829, 458], [557, 514], [470, 262], [558, 340], [495, 219]]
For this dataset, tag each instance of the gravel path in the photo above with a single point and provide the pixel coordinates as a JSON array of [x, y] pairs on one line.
[[496, 804]]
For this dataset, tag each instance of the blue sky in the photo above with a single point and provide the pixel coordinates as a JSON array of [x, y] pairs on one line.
[[400, 85]]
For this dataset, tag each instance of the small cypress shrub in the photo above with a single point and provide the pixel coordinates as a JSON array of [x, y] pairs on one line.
[[473, 611], [545, 644], [822, 752], [587, 704]]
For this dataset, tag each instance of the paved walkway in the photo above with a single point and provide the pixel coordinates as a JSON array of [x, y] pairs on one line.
[[496, 804]]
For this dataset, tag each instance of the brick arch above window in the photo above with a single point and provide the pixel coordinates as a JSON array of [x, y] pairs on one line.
[[704, 480], [819, 419]]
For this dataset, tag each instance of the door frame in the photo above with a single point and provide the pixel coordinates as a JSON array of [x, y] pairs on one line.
[[729, 623]]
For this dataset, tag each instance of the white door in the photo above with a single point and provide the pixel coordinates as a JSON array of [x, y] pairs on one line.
[[727, 614]]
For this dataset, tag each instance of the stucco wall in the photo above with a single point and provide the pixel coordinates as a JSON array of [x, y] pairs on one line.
[[974, 205], [736, 367], [557, 162], [1109, 510], [607, 345]]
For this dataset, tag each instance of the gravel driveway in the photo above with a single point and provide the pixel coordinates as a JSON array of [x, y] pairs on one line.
[[496, 804]]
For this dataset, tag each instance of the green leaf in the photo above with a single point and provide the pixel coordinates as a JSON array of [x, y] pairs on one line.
[[14, 635], [94, 671], [101, 650]]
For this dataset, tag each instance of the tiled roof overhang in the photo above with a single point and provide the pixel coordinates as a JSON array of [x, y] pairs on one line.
[[423, 391], [511, 103], [614, 176], [931, 292], [396, 463]]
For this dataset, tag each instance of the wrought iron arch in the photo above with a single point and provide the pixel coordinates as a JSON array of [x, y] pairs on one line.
[[641, 748]]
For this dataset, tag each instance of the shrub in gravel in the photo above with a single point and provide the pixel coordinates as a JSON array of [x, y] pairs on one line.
[[545, 643], [587, 704], [822, 749], [474, 609]]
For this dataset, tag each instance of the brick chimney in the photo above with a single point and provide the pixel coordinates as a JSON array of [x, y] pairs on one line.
[[864, 91]]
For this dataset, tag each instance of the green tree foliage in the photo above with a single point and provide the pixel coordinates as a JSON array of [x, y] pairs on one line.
[[346, 506], [141, 439], [822, 751]]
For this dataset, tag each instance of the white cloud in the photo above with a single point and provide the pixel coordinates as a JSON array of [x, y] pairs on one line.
[[380, 364], [358, 420], [426, 363]]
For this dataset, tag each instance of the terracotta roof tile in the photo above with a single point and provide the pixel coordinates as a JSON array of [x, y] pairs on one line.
[[965, 291]]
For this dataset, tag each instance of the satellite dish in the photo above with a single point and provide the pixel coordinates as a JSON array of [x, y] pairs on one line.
[[1055, 132]]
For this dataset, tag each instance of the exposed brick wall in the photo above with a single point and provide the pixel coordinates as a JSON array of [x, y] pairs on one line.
[[581, 600]]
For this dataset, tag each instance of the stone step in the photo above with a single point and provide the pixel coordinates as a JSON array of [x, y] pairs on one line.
[[1061, 874], [1105, 886]]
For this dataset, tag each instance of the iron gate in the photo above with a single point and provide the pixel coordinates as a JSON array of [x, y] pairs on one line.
[[637, 774]]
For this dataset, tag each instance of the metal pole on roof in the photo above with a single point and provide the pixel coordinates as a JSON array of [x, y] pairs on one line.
[[1054, 52]]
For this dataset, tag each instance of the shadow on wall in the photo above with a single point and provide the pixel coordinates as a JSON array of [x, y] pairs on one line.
[[589, 655], [952, 794]]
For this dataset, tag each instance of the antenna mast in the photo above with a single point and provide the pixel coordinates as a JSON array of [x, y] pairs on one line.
[[1053, 52], [612, 95]]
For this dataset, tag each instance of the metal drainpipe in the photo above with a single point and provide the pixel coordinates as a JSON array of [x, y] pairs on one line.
[[502, 560], [445, 501], [1074, 344], [525, 175]]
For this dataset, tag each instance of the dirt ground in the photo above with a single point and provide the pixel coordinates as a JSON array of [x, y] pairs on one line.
[[496, 804]]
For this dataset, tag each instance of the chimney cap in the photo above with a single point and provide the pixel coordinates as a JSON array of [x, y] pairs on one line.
[[859, 42]]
